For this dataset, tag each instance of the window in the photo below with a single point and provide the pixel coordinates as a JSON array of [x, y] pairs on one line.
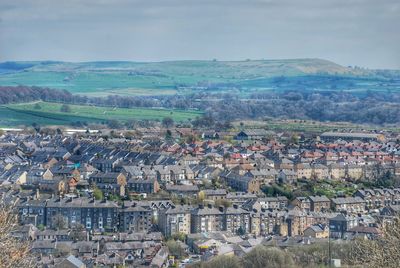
[[88, 223], [25, 211], [73, 219], [101, 222]]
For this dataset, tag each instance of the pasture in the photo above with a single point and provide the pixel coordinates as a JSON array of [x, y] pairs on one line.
[[47, 113]]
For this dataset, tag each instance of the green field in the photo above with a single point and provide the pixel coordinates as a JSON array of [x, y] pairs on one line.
[[240, 78], [181, 77], [50, 114]]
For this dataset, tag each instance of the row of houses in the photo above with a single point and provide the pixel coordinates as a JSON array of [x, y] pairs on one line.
[[141, 215], [92, 214], [247, 219], [253, 216]]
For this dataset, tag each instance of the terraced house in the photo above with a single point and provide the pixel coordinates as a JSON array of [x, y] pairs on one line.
[[319, 203], [135, 217], [32, 211], [91, 213], [351, 205], [236, 220], [207, 219], [143, 185], [109, 182], [175, 220], [242, 183], [378, 198]]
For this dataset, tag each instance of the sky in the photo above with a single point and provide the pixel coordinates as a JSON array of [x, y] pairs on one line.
[[364, 33]]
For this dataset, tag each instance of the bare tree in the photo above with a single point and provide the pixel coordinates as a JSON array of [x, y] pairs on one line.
[[381, 252], [262, 256], [167, 122], [14, 252], [58, 222], [78, 232], [222, 261]]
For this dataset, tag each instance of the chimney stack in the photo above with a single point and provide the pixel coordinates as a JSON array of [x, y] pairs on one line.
[[37, 196]]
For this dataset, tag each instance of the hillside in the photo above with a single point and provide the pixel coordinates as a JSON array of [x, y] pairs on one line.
[[239, 69], [182, 77]]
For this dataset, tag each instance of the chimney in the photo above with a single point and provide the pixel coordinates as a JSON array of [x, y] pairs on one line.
[[37, 196]]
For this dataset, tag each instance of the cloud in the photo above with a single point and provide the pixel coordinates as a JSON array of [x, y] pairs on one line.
[[350, 32]]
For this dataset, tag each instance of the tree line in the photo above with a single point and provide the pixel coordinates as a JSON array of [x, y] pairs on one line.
[[367, 107]]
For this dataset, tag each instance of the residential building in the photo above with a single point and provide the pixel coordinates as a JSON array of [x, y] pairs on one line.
[[175, 220], [319, 203]]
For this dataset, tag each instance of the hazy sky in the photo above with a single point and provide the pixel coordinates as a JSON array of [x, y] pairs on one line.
[[349, 32]]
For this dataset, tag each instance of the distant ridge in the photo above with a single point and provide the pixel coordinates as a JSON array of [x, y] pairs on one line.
[[261, 68]]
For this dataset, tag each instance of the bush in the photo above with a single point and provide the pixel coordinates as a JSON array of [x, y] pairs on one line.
[[167, 122], [262, 256], [98, 194], [223, 203], [223, 262], [175, 249], [179, 236]]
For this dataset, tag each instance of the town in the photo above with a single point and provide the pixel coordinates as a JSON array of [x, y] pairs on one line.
[[160, 197]]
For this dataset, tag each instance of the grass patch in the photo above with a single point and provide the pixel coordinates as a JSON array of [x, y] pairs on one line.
[[50, 114]]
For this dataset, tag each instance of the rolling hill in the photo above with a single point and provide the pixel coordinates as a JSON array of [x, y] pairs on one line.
[[181, 77]]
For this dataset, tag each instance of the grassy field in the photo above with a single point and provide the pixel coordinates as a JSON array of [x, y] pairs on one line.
[[180, 77], [50, 114], [89, 82]]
